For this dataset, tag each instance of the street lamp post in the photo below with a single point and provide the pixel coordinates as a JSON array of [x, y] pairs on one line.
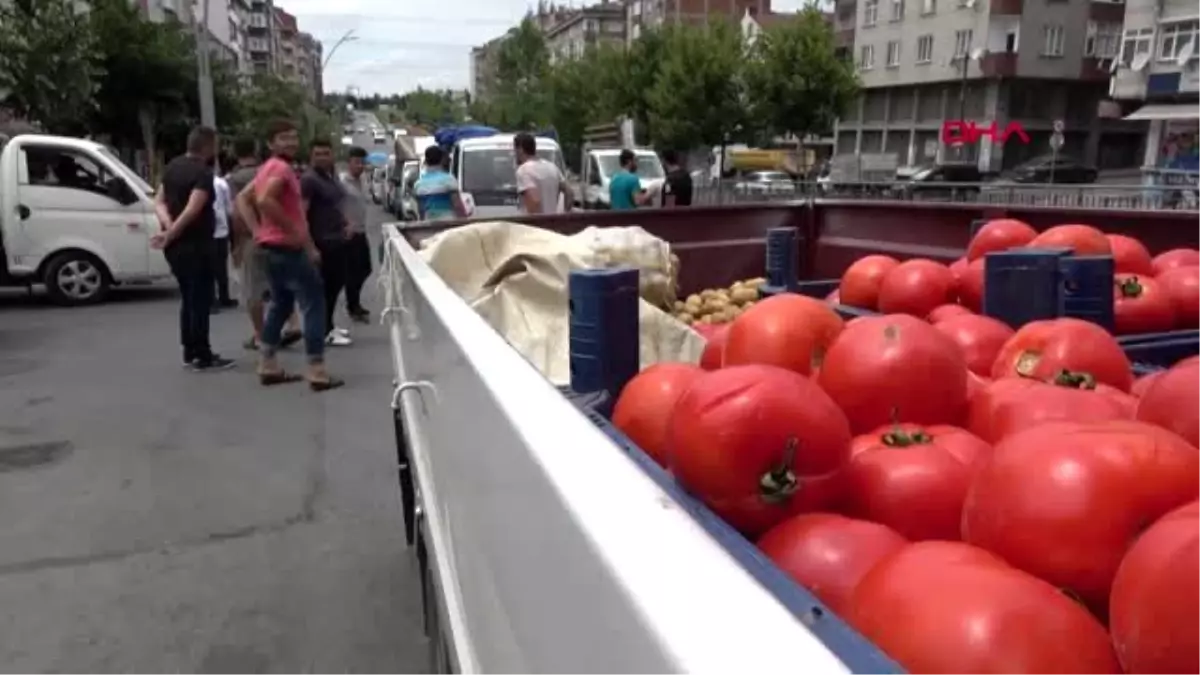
[[348, 36], [208, 108]]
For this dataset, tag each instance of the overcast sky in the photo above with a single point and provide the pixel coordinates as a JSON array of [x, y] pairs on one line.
[[402, 45]]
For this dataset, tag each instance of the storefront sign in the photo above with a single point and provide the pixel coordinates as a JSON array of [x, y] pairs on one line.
[[960, 132]]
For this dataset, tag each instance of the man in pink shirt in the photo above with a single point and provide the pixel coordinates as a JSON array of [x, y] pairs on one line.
[[291, 257]]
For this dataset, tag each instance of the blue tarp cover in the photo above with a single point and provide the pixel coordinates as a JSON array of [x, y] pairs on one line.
[[448, 136]]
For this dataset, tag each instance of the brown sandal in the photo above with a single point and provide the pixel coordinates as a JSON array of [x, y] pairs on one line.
[[325, 385], [281, 377]]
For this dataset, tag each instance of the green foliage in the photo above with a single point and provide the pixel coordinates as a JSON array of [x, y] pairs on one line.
[[697, 98], [48, 69], [269, 97], [431, 108], [522, 76], [795, 82]]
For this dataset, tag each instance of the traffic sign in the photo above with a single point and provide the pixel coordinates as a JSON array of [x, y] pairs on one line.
[[1056, 141], [1059, 126]]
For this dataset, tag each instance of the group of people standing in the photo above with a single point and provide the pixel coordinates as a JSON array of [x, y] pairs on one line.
[[298, 242]]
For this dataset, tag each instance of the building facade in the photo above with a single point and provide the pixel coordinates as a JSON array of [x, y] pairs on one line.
[[575, 30], [260, 37], [483, 68], [641, 15], [1156, 80], [1030, 63]]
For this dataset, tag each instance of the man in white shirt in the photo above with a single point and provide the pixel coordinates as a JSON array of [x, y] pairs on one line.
[[539, 182], [223, 208]]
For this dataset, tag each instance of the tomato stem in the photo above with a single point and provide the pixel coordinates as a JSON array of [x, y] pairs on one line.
[[779, 484], [898, 438], [1074, 379], [1131, 288]]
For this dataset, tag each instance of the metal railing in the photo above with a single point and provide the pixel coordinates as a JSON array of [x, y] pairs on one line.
[[1181, 196]]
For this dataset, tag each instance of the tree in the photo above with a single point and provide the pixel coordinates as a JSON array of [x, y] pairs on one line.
[[627, 75], [795, 82], [48, 70], [522, 67], [697, 99], [269, 97], [576, 98], [431, 108]]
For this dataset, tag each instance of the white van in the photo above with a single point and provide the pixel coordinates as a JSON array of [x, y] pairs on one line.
[[73, 217], [601, 164], [486, 170]]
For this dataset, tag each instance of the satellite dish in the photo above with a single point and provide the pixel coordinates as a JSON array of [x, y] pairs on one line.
[[1185, 53], [1140, 61], [977, 53]]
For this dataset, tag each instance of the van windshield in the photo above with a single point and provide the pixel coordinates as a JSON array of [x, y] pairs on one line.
[[129, 174], [495, 169]]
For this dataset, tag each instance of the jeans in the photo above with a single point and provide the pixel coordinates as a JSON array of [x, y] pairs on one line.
[[221, 269], [358, 269], [333, 276], [192, 265], [294, 279]]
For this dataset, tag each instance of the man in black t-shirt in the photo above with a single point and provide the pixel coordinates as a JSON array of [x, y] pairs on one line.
[[323, 194], [677, 190], [185, 209]]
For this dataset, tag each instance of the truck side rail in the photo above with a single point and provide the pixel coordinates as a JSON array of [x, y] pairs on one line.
[[549, 549]]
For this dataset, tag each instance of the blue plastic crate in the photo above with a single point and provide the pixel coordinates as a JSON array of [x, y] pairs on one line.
[[1162, 353], [603, 328], [783, 253], [858, 653], [1087, 288]]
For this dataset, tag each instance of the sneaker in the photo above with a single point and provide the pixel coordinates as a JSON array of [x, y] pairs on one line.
[[338, 339], [341, 331], [360, 316], [212, 363]]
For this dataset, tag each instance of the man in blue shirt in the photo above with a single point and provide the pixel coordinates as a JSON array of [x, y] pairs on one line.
[[625, 189], [437, 192]]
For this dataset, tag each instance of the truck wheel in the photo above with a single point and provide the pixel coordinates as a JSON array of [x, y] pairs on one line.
[[76, 278]]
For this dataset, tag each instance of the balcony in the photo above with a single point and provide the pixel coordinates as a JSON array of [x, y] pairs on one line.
[[1093, 69], [1128, 85], [1002, 64], [844, 38], [1007, 7], [1106, 12]]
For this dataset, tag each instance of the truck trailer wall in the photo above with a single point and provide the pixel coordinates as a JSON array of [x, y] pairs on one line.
[[550, 550]]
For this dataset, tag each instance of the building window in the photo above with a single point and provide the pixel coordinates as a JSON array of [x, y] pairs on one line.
[[870, 12], [928, 7], [893, 54], [925, 49], [1136, 42], [962, 43], [897, 10], [1053, 37], [1103, 40], [1174, 37], [866, 59]]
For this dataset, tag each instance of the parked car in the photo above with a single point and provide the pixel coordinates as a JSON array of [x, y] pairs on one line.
[[1053, 169], [765, 183], [940, 181]]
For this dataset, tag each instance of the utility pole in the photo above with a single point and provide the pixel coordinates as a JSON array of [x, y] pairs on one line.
[[208, 109]]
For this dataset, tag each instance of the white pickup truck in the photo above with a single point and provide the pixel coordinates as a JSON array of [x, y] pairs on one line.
[[599, 166], [74, 218]]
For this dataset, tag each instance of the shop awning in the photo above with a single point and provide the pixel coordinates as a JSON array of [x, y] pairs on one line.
[[1166, 111]]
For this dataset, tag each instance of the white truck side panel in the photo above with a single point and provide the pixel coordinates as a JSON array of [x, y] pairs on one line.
[[553, 552]]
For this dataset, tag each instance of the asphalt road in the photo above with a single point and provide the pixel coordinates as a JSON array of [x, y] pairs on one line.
[[157, 520]]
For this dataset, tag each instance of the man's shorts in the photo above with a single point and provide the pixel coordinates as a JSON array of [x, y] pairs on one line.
[[255, 286]]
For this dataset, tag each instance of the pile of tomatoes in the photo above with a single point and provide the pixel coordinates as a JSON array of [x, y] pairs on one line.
[[968, 497], [1150, 294]]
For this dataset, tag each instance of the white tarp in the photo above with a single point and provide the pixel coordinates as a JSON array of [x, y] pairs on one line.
[[515, 277]]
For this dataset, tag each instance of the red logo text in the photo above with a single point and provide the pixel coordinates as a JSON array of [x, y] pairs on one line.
[[959, 132]]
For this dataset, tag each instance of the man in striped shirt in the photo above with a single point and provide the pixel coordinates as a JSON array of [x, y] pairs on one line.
[[437, 192]]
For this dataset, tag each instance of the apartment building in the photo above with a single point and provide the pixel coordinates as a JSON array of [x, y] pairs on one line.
[[163, 10], [1156, 79], [644, 14], [260, 36], [1029, 62], [309, 57], [575, 30]]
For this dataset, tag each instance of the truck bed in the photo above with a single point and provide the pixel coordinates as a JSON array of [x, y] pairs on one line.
[[718, 245]]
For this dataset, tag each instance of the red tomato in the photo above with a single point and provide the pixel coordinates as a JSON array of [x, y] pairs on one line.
[[895, 368], [970, 286], [1040, 403], [1154, 610], [916, 287], [746, 439], [828, 554], [1143, 383], [912, 479], [707, 330], [1063, 501], [999, 235], [990, 397], [979, 337], [975, 383], [1172, 401], [861, 281], [1129, 255], [1140, 305], [1182, 285], [1176, 257], [643, 410], [1082, 239], [957, 268], [834, 297], [1042, 349], [714, 350], [787, 330], [946, 311], [945, 607]]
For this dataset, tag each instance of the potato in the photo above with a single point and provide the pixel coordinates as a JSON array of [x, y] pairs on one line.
[[685, 317], [693, 299], [704, 319], [744, 295], [679, 305], [756, 281]]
